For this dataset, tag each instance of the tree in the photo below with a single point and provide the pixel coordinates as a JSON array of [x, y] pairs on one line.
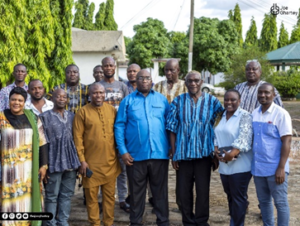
[[80, 15], [251, 36], [295, 36], [268, 37], [62, 54], [283, 36], [237, 19], [230, 15], [109, 22], [29, 34], [89, 25], [150, 41], [100, 17], [180, 49], [236, 73], [214, 43]]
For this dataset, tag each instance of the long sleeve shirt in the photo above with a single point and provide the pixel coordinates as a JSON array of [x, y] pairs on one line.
[[93, 131], [236, 132], [140, 126], [193, 124]]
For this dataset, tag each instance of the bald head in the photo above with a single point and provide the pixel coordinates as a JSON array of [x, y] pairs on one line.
[[95, 86], [132, 71], [97, 94], [60, 99], [172, 70]]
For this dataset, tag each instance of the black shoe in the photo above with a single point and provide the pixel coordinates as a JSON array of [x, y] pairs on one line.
[[127, 200]]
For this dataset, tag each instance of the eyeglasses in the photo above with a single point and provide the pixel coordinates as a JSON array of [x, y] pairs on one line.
[[144, 78], [190, 81]]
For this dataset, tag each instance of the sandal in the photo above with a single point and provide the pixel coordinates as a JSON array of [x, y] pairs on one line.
[[126, 207]]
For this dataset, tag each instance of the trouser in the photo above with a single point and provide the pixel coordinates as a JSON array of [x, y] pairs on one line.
[[138, 174], [108, 203], [58, 193], [266, 188], [194, 171], [236, 186], [122, 181]]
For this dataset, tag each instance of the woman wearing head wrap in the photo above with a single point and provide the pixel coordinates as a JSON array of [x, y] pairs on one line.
[[24, 158]]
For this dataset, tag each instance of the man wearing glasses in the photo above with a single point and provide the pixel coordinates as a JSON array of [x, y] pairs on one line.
[[248, 89], [142, 141]]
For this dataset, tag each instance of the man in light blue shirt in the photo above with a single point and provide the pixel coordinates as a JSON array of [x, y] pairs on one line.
[[142, 141], [272, 129]]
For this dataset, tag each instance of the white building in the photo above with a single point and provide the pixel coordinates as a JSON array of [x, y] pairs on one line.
[[90, 47]]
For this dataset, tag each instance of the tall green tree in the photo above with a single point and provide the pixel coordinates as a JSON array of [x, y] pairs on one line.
[[283, 39], [268, 36], [80, 15], [251, 36], [109, 22], [230, 15], [214, 43], [237, 19], [100, 17], [89, 25], [150, 41], [29, 35], [62, 54], [295, 36]]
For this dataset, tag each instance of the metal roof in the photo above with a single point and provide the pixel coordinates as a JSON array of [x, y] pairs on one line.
[[289, 53]]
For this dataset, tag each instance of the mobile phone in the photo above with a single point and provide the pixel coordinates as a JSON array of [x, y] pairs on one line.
[[88, 173]]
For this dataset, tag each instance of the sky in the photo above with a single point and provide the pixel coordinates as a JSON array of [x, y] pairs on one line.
[[176, 13]]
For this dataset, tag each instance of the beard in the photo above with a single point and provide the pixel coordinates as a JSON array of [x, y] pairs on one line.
[[109, 76], [36, 98]]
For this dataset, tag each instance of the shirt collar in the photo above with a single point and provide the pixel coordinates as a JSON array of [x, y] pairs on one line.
[[14, 85], [48, 103], [136, 92], [269, 110], [236, 113]]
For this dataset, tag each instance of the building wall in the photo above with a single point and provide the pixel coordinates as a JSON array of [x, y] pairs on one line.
[[86, 61]]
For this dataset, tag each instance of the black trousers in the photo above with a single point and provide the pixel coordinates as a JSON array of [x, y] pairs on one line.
[[194, 171], [156, 171], [236, 187]]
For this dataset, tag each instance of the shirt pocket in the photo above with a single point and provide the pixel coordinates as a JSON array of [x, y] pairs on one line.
[[270, 130], [158, 110], [135, 112]]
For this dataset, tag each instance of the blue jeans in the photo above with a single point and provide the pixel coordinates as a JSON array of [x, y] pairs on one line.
[[266, 189], [58, 192], [122, 181]]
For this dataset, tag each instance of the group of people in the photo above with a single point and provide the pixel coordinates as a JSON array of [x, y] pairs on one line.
[[115, 133]]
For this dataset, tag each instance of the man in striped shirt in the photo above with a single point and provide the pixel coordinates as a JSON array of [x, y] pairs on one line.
[[248, 89], [190, 122]]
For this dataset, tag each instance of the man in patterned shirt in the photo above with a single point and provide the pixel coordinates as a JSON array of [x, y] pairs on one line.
[[20, 73], [248, 89], [77, 92], [172, 87]]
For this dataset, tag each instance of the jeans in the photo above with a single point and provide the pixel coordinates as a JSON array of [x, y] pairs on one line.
[[58, 192], [236, 187], [266, 189], [122, 181]]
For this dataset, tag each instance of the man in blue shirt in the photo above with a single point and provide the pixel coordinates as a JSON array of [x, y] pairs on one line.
[[142, 141], [190, 122], [272, 129]]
